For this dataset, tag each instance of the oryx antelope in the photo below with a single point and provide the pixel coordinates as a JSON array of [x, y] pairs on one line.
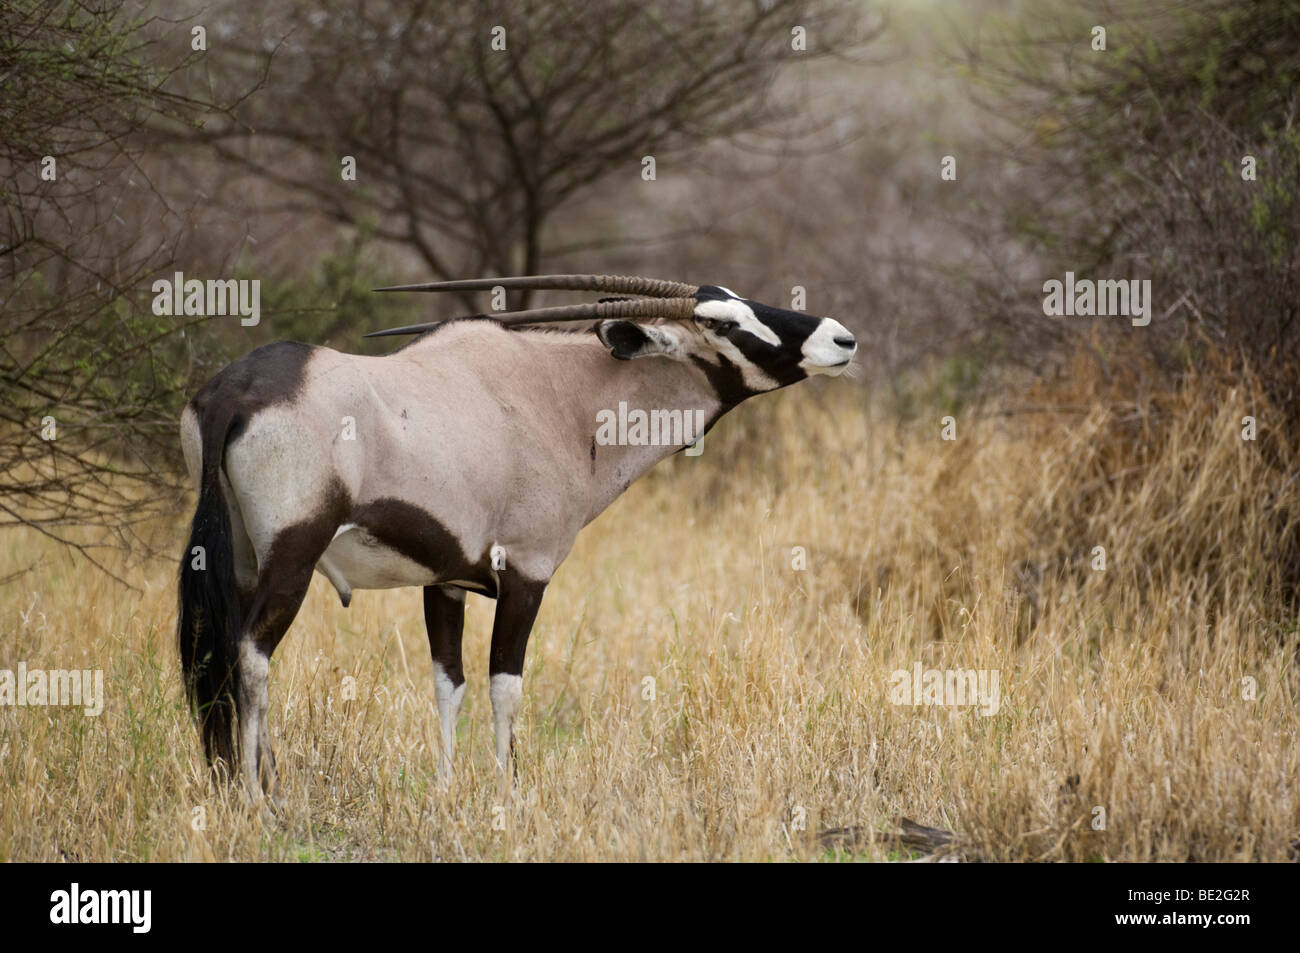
[[465, 461]]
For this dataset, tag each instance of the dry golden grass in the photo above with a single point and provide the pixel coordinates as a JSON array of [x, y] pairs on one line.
[[1121, 689]]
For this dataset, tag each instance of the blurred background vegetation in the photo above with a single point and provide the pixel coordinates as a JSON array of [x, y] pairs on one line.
[[776, 167]]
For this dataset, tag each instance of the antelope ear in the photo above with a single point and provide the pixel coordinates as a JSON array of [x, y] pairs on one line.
[[627, 340]]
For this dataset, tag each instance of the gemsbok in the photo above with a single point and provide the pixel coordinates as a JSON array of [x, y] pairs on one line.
[[467, 460]]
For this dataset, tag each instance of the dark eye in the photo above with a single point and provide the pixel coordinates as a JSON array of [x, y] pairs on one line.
[[719, 326]]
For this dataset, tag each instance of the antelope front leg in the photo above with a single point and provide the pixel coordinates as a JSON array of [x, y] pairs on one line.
[[518, 600], [444, 618]]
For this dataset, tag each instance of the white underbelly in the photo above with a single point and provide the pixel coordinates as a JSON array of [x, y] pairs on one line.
[[358, 560]]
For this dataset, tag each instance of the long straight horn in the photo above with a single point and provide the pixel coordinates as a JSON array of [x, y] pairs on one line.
[[681, 308], [615, 284]]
